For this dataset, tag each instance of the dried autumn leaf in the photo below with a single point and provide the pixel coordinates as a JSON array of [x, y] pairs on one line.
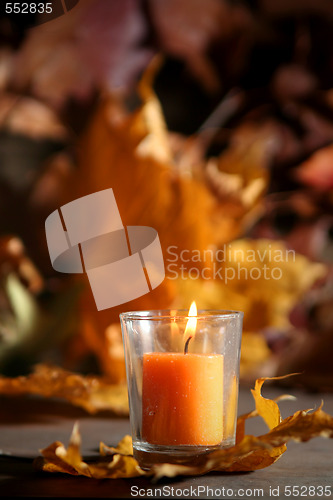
[[317, 171], [266, 408], [241, 285], [240, 174], [97, 44], [124, 447], [51, 463], [134, 155], [89, 392], [34, 119], [132, 152], [59, 459], [250, 452], [276, 295], [188, 36], [156, 186], [13, 259]]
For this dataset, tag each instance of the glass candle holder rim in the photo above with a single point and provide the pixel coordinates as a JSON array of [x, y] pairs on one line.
[[180, 314]]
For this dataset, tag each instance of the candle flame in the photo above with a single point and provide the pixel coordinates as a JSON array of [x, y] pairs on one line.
[[191, 325]]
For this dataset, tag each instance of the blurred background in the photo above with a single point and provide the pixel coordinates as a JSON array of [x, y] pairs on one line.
[[212, 120]]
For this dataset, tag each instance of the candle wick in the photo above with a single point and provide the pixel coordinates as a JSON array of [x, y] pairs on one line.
[[186, 345]]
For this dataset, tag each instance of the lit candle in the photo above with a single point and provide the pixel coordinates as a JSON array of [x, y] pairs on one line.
[[182, 395]]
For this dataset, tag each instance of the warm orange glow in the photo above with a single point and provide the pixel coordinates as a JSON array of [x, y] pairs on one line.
[[182, 398], [191, 322], [182, 394]]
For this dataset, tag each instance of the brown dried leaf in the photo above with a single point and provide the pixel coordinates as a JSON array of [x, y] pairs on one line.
[[32, 118], [59, 459], [97, 44], [190, 33], [124, 447], [266, 408], [240, 173], [317, 171], [51, 463], [156, 185], [250, 452], [265, 302], [89, 392], [13, 258]]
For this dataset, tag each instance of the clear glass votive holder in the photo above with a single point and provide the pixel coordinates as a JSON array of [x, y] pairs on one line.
[[182, 376]]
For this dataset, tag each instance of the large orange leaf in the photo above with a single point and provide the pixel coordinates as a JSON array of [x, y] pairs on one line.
[[89, 392]]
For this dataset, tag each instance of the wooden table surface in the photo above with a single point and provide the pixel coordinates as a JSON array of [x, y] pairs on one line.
[[29, 424]]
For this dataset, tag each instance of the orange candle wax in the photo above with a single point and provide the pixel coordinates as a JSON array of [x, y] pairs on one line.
[[182, 399]]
